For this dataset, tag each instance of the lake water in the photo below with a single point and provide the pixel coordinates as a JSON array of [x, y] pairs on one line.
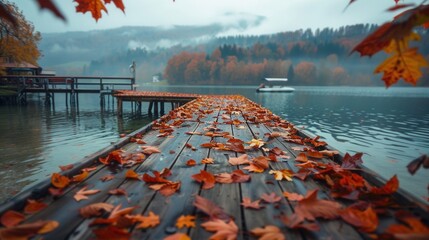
[[391, 126]]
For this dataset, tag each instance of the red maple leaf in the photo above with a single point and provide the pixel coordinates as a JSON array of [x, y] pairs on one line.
[[311, 208], [206, 178]]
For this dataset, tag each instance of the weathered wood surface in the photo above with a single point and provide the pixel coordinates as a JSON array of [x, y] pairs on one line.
[[237, 118]]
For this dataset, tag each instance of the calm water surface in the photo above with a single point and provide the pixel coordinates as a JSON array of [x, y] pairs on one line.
[[391, 126]]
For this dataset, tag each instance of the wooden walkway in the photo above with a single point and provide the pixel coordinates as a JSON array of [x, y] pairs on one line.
[[246, 200], [155, 99]]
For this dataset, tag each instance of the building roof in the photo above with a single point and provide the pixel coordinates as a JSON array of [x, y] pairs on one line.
[[276, 79]]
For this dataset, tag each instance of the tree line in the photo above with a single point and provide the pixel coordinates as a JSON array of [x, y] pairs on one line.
[[305, 57]]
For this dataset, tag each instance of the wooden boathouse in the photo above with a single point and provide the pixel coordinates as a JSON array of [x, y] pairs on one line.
[[218, 167]]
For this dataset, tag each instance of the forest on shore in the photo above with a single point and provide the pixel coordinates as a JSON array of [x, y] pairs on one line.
[[306, 57]]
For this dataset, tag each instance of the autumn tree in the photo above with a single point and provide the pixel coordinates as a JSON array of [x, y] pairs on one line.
[[305, 73], [18, 39]]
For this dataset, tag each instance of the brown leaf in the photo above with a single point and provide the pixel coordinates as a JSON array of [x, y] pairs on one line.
[[150, 149], [95, 209], [269, 232], [66, 167], [236, 176], [271, 198], [49, 5], [293, 196], [107, 178], [247, 203], [118, 191], [365, 221], [210, 208], [112, 232], [27, 230], [82, 193], [414, 165], [11, 218], [242, 159], [351, 162]]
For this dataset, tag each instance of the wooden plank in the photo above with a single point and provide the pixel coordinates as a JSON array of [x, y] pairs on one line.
[[263, 183], [65, 209], [139, 195], [226, 196]]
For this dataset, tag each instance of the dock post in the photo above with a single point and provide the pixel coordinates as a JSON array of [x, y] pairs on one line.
[[162, 108], [172, 105], [149, 109], [155, 109], [47, 94], [119, 101]]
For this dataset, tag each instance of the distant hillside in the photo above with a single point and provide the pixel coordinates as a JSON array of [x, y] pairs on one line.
[[110, 52]]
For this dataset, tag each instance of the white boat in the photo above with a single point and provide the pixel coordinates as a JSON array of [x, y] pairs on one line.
[[274, 85]]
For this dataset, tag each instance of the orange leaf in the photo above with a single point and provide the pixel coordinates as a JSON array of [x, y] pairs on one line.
[[293, 196], [413, 228], [351, 162], [93, 6], [185, 221], [271, 198], [237, 176], [222, 229], [150, 149], [207, 161], [59, 180], [49, 227], [247, 203], [130, 174], [390, 187], [152, 220], [206, 178], [11, 218], [82, 193], [282, 174], [242, 159], [80, 177], [365, 221], [301, 158], [268, 232], [34, 206], [191, 162], [27, 230], [95, 209], [405, 64], [178, 236]]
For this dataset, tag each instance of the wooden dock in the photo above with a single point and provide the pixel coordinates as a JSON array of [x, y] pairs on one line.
[[154, 99], [70, 86], [219, 167]]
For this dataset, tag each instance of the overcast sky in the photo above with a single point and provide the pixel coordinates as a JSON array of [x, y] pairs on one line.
[[264, 16]]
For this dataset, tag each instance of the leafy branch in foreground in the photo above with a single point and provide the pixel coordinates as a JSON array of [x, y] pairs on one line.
[[394, 38]]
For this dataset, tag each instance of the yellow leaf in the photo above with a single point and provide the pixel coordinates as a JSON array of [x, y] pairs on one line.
[[405, 65]]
